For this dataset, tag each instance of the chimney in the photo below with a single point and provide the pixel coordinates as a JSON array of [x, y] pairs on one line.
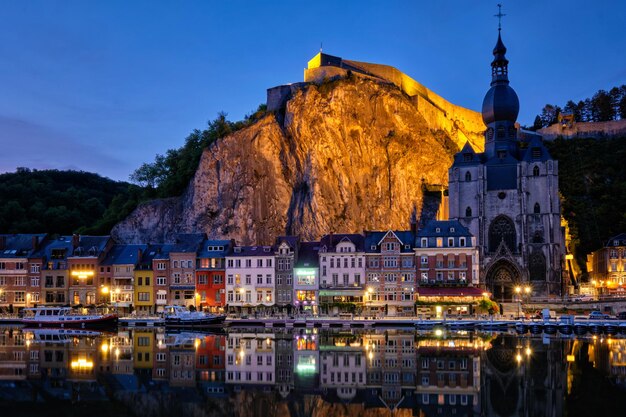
[[75, 240], [35, 242], [3, 242]]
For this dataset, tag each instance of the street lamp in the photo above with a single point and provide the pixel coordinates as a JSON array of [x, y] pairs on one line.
[[370, 291], [518, 290]]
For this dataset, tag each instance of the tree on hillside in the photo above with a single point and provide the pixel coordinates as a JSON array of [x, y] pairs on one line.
[[169, 174], [549, 115]]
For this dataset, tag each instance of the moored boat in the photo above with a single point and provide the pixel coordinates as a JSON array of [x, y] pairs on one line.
[[179, 316], [66, 317]]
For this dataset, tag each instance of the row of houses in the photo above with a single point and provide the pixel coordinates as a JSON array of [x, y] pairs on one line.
[[377, 272]]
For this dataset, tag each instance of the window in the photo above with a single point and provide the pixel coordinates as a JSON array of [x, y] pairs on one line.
[[268, 279], [468, 176], [461, 241], [248, 279], [536, 152], [424, 260], [450, 242], [439, 242], [468, 212], [535, 171], [19, 296], [160, 280], [537, 208], [268, 263], [35, 268], [230, 280]]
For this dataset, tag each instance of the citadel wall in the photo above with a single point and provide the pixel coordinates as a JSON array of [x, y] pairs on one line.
[[585, 130]]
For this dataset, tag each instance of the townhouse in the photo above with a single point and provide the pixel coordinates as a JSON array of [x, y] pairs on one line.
[[211, 274], [306, 282], [87, 252], [161, 270], [286, 252], [16, 289], [122, 261], [250, 277], [390, 269], [183, 269], [342, 276], [447, 259]]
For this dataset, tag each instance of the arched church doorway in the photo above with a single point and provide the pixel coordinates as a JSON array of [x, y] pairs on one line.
[[501, 279]]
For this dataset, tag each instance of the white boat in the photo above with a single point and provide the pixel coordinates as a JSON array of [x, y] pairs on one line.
[[60, 335], [65, 317], [179, 316]]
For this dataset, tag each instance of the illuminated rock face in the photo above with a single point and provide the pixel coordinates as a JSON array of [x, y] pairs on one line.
[[348, 155]]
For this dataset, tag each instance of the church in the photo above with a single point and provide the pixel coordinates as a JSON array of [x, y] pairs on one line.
[[508, 197]]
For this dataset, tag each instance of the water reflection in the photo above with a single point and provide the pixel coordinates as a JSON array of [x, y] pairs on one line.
[[311, 372]]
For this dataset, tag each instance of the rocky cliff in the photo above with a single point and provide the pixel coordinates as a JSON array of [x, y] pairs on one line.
[[346, 155]]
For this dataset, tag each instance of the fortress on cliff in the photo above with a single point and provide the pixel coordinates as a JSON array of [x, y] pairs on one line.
[[459, 123]]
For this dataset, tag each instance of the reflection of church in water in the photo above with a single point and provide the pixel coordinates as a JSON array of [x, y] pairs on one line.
[[523, 377], [508, 196]]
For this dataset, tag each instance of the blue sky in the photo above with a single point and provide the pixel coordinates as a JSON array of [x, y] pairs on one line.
[[103, 86]]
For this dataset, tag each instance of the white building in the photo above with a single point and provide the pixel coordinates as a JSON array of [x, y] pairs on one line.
[[250, 276], [250, 359], [342, 270]]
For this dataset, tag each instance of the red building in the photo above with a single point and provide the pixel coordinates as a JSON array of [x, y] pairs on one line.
[[210, 275]]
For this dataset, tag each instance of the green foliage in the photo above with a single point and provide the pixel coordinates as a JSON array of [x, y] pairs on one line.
[[62, 202], [169, 174], [602, 107], [592, 182], [486, 305]]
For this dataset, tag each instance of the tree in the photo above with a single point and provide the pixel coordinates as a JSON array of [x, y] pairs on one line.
[[537, 124], [602, 107], [549, 115]]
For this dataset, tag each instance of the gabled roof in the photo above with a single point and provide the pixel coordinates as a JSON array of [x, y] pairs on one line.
[[252, 251], [187, 242], [375, 238], [124, 255], [19, 245], [536, 151], [89, 245], [621, 240], [445, 229], [292, 241], [308, 255], [209, 248], [331, 241], [467, 156]]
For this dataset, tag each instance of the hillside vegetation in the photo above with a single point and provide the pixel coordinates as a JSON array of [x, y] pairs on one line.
[[63, 202], [592, 182]]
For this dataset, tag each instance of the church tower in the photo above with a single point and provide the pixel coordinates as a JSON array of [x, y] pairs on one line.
[[508, 197]]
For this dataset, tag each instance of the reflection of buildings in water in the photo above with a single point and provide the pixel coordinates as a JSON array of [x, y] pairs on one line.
[[524, 376], [306, 358], [211, 362], [391, 366], [343, 366], [448, 374], [284, 343], [250, 359], [617, 360]]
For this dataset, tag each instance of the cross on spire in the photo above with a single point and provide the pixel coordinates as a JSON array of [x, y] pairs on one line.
[[499, 16]]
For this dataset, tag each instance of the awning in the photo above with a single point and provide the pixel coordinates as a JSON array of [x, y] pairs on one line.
[[449, 292], [354, 293]]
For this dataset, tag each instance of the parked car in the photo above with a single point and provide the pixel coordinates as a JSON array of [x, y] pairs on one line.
[[597, 315], [621, 315], [583, 297]]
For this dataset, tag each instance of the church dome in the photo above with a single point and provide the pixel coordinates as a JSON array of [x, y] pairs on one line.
[[500, 104]]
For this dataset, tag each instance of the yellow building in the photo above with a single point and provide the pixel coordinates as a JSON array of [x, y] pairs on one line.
[[143, 341], [144, 289]]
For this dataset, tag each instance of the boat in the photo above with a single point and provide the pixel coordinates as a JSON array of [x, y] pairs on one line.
[[48, 335], [66, 317], [179, 317]]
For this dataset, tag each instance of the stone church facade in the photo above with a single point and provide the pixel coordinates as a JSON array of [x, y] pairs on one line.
[[508, 197]]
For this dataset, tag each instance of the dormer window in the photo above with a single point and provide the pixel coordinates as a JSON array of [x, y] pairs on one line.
[[424, 242], [373, 247], [437, 230], [452, 230], [237, 250], [536, 152], [450, 242], [467, 157], [468, 176], [407, 246]]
